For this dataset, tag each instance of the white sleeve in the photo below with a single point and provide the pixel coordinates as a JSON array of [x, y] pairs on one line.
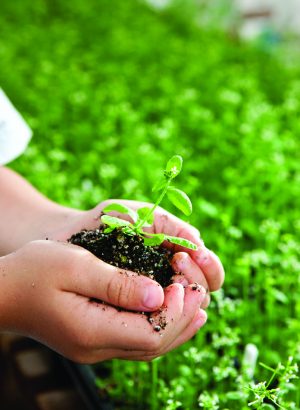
[[14, 132]]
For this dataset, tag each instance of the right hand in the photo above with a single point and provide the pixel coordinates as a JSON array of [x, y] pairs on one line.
[[48, 291]]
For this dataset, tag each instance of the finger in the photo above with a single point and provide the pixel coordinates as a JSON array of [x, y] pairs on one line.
[[206, 259], [166, 319], [143, 342], [171, 225], [94, 278], [194, 296], [127, 330], [211, 266], [130, 334], [189, 272], [190, 331], [197, 323]]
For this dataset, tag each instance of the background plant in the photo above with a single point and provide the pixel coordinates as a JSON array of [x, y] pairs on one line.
[[102, 83]]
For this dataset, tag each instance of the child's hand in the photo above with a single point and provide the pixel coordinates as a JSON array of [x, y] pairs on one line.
[[48, 292]]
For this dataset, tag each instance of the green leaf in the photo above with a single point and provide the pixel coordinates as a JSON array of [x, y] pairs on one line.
[[180, 200], [142, 213], [159, 185], [278, 295], [122, 209], [154, 240], [114, 222], [182, 242], [108, 229], [174, 166]]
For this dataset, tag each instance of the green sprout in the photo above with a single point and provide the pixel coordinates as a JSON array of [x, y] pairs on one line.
[[144, 217], [262, 390]]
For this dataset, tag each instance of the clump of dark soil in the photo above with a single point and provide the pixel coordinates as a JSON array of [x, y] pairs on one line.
[[127, 252]]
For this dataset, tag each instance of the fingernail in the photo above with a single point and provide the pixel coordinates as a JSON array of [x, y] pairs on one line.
[[182, 280], [183, 261], [152, 297]]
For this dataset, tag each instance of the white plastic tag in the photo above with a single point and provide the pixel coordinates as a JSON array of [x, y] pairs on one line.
[[14, 132]]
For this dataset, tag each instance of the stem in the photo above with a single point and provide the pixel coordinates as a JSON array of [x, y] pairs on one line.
[[154, 385], [273, 376], [151, 210]]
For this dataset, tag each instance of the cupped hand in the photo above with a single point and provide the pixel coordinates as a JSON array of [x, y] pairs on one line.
[[65, 297], [201, 266]]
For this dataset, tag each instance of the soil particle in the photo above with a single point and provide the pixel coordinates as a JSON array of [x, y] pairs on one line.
[[197, 287], [127, 252], [158, 319]]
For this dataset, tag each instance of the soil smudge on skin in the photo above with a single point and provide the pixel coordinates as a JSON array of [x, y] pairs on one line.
[[158, 319]]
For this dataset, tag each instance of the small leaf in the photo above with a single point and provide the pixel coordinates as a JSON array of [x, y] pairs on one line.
[[280, 296], [182, 242], [174, 166], [159, 185], [180, 200], [114, 222], [154, 240], [122, 209], [142, 213], [109, 229]]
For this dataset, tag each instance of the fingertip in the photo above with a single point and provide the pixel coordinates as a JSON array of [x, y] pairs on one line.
[[153, 296], [198, 290], [200, 318], [179, 261], [212, 268], [180, 278], [175, 290]]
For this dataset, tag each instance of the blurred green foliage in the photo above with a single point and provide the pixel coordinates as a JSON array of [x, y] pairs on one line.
[[112, 89]]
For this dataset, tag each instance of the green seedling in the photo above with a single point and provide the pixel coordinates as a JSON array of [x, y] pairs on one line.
[[144, 217]]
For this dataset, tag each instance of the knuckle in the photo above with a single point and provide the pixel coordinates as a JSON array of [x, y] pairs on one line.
[[105, 203], [121, 290]]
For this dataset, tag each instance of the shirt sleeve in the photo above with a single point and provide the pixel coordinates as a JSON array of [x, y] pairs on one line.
[[14, 132]]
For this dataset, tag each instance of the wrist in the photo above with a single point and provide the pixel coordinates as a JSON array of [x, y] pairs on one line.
[[43, 223], [5, 293], [55, 219]]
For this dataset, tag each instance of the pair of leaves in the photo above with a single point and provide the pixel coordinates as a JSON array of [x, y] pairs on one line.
[[149, 239]]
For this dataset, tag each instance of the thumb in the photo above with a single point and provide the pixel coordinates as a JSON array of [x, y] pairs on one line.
[[97, 279]]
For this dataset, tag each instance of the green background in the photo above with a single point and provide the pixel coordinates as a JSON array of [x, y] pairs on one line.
[[112, 89]]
